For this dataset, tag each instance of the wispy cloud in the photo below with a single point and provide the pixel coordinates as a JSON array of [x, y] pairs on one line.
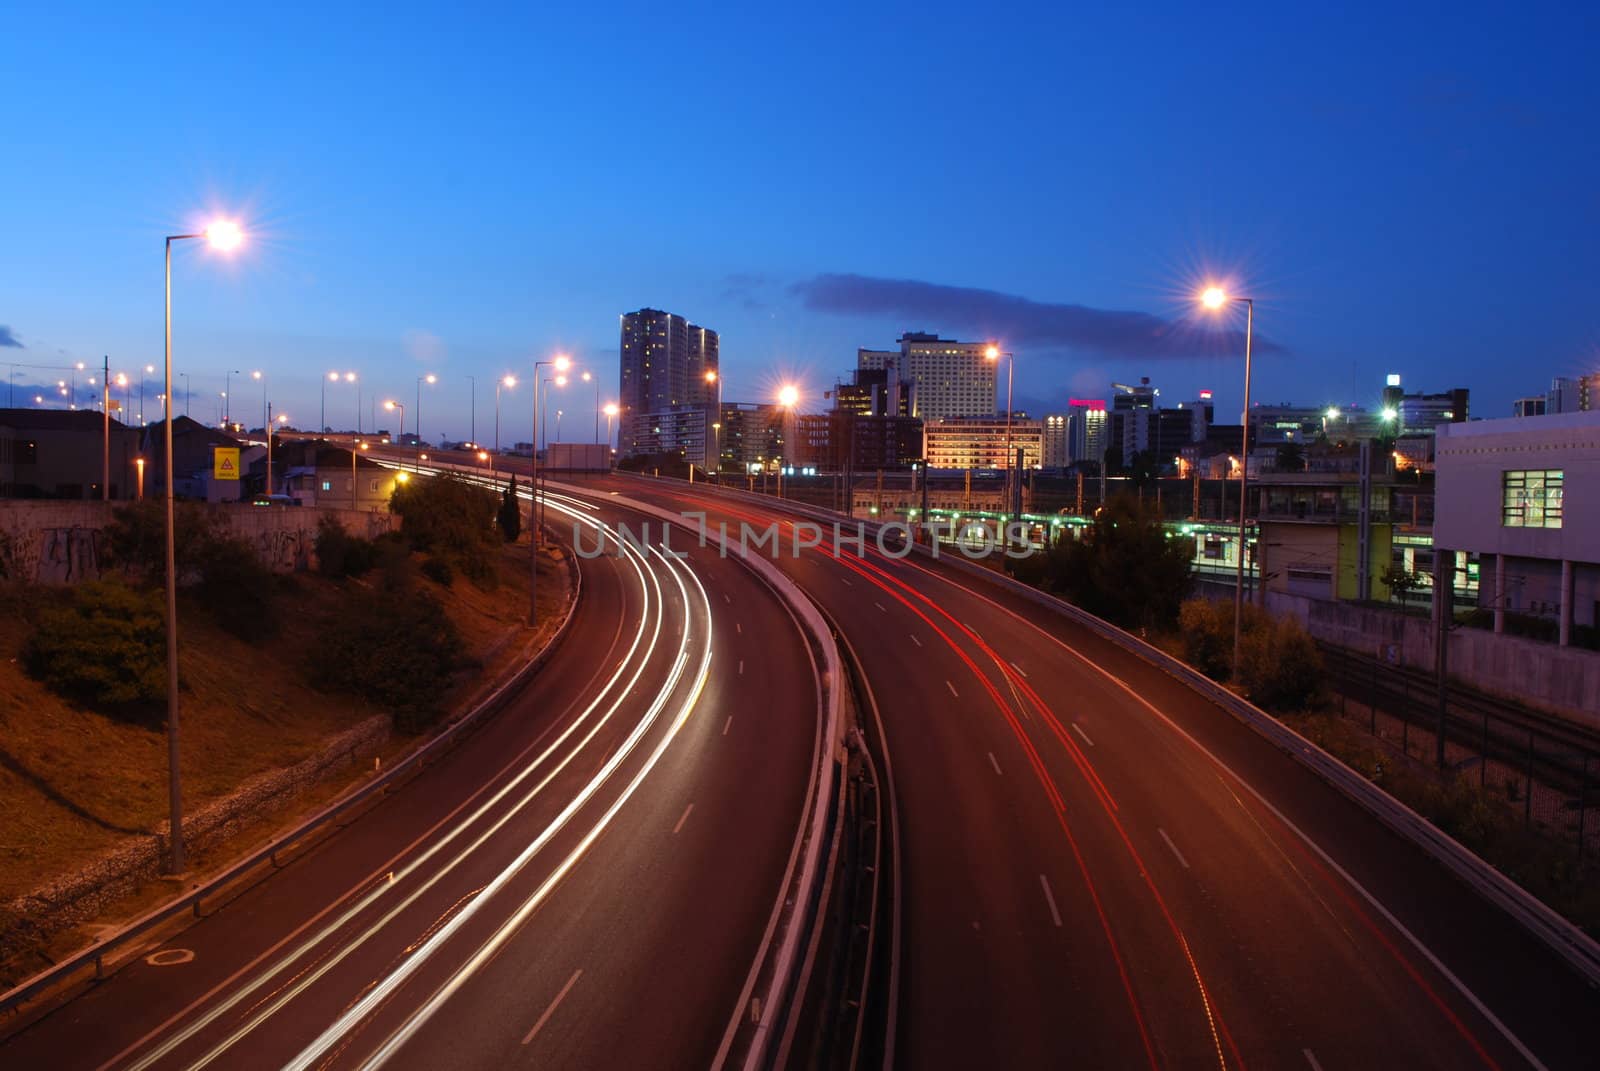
[[1019, 321], [9, 338], [425, 347]]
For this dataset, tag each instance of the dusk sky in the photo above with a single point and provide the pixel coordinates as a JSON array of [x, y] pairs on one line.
[[1411, 191]]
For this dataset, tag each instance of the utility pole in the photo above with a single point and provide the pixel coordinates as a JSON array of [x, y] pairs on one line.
[[1444, 562], [105, 442], [269, 449]]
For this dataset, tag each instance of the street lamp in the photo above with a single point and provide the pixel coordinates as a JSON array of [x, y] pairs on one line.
[[993, 353], [222, 235], [266, 418], [507, 382], [561, 363], [392, 405], [788, 398], [611, 410], [1215, 299], [227, 388], [586, 377], [472, 435], [429, 379]]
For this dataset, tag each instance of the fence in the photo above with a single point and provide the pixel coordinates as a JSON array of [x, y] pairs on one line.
[[1547, 767]]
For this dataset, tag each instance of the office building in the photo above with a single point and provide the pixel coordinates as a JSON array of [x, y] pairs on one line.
[[1088, 430], [666, 363], [947, 378], [842, 441], [980, 442], [750, 434], [1055, 447], [1573, 394]]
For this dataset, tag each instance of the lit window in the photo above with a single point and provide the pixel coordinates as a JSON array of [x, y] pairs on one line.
[[327, 485], [1532, 498]]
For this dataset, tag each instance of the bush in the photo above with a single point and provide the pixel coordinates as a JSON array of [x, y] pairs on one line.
[[104, 646], [510, 515], [236, 588], [136, 538], [449, 518], [439, 570], [1207, 632], [395, 646], [340, 554], [1279, 664]]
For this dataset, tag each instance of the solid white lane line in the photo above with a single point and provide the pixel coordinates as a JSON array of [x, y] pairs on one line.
[[1079, 730], [1311, 1058], [554, 1004], [1050, 898], [1173, 846], [741, 667], [1019, 669], [914, 639], [685, 818], [952, 688], [739, 628], [727, 725], [882, 607], [995, 763], [847, 582]]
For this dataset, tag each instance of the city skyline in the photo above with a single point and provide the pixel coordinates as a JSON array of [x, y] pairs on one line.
[[1080, 253]]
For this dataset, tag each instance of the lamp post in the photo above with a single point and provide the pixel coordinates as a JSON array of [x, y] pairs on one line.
[[266, 416], [993, 353], [472, 435], [587, 378], [322, 417], [1215, 298], [227, 389], [716, 437], [149, 370], [561, 362], [559, 380], [788, 398], [507, 382], [139, 464], [611, 410], [353, 455], [429, 379], [224, 236], [392, 405]]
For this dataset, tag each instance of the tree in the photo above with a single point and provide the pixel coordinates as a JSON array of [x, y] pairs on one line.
[[510, 515], [1291, 457], [449, 518], [1400, 582], [104, 646], [1123, 567]]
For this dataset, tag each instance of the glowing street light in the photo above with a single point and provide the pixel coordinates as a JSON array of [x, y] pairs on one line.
[[1215, 298], [561, 363], [507, 382], [392, 405], [788, 396], [993, 353], [223, 235], [611, 410]]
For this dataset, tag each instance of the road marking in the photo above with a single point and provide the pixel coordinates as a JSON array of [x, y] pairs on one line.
[[882, 607], [1311, 1058], [726, 599], [847, 582], [169, 957], [741, 667], [689, 808], [952, 688], [727, 725], [1019, 669], [1173, 846], [738, 627], [914, 639], [1080, 732], [995, 763], [551, 1010], [1050, 898]]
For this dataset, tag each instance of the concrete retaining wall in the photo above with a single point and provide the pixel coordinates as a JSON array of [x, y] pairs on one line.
[[80, 896], [54, 542], [1565, 680]]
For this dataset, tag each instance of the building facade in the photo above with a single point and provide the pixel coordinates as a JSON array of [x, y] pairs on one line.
[[947, 378], [666, 362], [1088, 430], [981, 442]]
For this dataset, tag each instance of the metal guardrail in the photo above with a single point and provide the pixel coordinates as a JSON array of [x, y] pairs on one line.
[[1578, 949], [95, 955]]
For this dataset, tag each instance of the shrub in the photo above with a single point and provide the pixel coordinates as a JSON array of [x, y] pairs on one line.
[[1206, 627], [1122, 568], [104, 646], [236, 588], [1279, 664], [393, 645], [510, 516], [439, 570], [447, 517], [340, 554], [136, 538]]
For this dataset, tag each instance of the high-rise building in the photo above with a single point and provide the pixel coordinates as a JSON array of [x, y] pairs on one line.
[[874, 392], [980, 442], [1087, 430], [1579, 394], [947, 378], [667, 363], [1055, 449]]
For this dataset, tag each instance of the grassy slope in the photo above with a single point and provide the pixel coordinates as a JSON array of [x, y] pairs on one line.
[[72, 783]]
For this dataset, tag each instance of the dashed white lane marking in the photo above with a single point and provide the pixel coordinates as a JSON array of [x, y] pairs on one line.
[[1311, 1058], [882, 607], [1173, 846], [1019, 669], [847, 582], [684, 819], [738, 627], [914, 639], [554, 1004], [726, 599], [1077, 729], [727, 725], [1050, 898], [952, 688], [995, 763], [741, 667]]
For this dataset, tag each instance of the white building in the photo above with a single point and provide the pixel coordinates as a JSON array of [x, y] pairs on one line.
[[1087, 428], [1524, 494], [949, 378], [1054, 451]]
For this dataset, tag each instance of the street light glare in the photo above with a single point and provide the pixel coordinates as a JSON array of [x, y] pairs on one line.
[[587, 377], [992, 353], [1214, 297], [611, 409], [224, 234], [711, 377], [509, 381], [562, 362], [389, 404], [788, 396], [561, 381], [1333, 412], [333, 377], [430, 378]]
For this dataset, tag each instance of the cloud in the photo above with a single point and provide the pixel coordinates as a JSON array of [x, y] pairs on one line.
[[1021, 322], [745, 287], [425, 347], [8, 338]]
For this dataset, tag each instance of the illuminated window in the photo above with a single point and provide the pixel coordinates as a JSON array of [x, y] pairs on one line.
[[1531, 498], [327, 485]]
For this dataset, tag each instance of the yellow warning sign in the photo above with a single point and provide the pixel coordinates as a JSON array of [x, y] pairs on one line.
[[225, 463]]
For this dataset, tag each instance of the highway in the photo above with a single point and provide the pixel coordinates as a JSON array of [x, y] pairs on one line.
[[585, 880], [1103, 869]]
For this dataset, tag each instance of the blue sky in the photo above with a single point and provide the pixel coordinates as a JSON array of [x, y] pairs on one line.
[[459, 191]]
